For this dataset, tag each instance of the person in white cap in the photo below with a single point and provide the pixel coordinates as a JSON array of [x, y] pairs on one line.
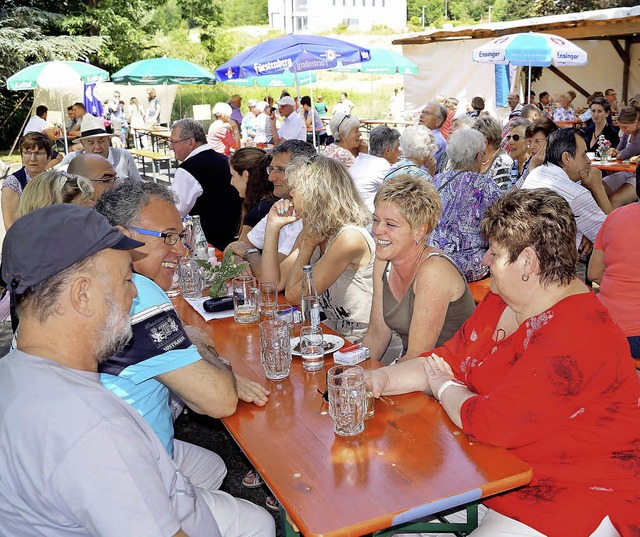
[[95, 139], [292, 127]]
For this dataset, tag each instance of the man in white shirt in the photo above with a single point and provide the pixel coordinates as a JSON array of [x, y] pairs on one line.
[[344, 106], [38, 123], [292, 127], [368, 170], [566, 163], [250, 252], [95, 139], [202, 183]]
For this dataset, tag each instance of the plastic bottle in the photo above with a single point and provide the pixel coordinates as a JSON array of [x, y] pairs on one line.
[[201, 244], [309, 303]]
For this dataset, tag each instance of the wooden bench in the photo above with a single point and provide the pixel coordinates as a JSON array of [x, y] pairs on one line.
[[154, 157], [480, 289]]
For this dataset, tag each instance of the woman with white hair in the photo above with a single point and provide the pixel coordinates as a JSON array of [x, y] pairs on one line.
[[466, 194], [220, 135], [497, 163], [564, 112], [418, 146], [345, 130]]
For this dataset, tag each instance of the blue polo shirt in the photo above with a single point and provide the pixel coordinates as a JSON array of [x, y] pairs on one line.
[[159, 345]]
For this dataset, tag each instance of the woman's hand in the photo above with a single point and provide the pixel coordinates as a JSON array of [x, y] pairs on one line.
[[310, 240], [378, 382], [430, 163], [282, 212], [613, 152], [438, 372], [250, 391]]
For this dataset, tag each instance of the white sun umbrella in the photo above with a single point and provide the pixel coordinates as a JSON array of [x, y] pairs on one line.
[[56, 75], [531, 50]]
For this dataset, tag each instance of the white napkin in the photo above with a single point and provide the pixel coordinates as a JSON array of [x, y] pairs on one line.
[[197, 304]]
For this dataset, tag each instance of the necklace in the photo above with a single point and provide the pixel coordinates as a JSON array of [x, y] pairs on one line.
[[491, 157]]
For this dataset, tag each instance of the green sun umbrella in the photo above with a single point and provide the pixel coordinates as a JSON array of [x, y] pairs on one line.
[[156, 71]]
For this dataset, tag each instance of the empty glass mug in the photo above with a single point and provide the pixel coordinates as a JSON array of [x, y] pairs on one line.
[[347, 399], [275, 349]]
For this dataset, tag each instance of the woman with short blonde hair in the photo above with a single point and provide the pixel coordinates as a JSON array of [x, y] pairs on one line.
[[418, 292]]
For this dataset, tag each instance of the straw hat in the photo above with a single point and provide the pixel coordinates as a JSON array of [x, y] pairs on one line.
[[92, 127]]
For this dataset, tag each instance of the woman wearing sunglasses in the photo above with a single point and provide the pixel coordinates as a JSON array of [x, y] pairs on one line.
[[345, 130], [519, 151]]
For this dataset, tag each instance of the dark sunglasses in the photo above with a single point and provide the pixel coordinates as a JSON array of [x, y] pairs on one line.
[[514, 137]]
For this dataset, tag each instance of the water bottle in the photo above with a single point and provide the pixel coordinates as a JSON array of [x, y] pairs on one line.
[[309, 303], [201, 244]]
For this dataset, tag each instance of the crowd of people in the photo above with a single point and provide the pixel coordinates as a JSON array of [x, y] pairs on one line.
[[396, 229]]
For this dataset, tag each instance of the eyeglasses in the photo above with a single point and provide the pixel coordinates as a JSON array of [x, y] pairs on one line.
[[514, 137], [276, 169], [174, 142], [36, 154], [342, 121], [170, 238], [105, 180]]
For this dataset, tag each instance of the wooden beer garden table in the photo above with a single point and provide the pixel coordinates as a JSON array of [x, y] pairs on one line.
[[615, 166], [411, 461]]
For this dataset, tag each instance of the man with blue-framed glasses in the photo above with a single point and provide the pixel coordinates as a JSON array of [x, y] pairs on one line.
[[165, 357]]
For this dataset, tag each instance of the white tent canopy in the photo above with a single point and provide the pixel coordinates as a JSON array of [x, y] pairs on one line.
[[446, 67]]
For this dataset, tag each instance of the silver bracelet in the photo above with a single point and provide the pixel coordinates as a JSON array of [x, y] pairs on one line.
[[446, 385]]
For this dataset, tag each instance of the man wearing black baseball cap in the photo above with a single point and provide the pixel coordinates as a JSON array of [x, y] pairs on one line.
[[76, 459]]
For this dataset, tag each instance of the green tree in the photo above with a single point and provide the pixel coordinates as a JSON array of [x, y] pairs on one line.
[[559, 7], [509, 10], [127, 22], [30, 35]]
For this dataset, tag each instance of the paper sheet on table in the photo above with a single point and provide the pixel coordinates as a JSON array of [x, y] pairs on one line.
[[196, 304]]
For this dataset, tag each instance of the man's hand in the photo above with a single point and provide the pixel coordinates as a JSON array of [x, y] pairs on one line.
[[251, 392], [591, 178], [585, 247]]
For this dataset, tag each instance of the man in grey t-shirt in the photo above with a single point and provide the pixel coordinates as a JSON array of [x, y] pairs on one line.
[[76, 460]]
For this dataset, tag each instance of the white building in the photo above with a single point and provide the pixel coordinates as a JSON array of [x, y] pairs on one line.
[[312, 16]]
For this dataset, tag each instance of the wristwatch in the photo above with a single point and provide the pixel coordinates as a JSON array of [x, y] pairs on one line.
[[248, 252]]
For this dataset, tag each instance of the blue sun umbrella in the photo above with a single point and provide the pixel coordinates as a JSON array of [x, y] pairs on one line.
[[283, 80], [293, 52]]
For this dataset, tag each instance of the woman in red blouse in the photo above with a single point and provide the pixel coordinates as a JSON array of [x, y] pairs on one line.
[[541, 369]]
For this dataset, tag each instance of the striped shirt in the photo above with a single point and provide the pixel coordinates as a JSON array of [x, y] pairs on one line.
[[589, 216]]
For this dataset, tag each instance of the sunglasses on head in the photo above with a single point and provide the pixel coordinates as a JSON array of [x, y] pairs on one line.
[[514, 137]]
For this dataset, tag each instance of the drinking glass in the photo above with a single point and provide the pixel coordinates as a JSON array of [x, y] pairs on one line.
[[268, 299], [284, 312], [191, 278], [347, 399], [246, 300], [275, 349], [311, 348]]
